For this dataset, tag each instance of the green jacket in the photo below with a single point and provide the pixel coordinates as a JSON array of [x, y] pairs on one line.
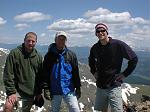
[[22, 72]]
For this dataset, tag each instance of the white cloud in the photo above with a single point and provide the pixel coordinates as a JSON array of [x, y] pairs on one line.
[[99, 11], [145, 30], [2, 21], [121, 26], [113, 18], [140, 33], [139, 20], [79, 25], [137, 37], [43, 35], [45, 38], [32, 17], [79, 31], [106, 16], [22, 26]]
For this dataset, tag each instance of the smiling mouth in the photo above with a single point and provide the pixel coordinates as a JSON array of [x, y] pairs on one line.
[[102, 35]]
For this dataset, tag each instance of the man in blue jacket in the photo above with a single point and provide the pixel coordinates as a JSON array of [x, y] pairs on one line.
[[61, 75], [105, 61]]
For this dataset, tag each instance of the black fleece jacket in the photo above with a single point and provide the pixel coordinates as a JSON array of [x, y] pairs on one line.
[[107, 60]]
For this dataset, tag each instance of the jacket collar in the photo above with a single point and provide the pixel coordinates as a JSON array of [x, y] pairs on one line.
[[22, 49], [110, 41], [52, 48]]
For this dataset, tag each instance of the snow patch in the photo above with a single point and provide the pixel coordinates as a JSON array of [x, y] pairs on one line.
[[127, 89], [4, 50], [89, 81], [81, 107]]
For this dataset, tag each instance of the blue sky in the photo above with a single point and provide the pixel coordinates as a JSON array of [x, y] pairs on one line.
[[128, 20]]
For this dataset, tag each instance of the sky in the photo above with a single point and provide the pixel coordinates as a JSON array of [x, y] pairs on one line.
[[127, 20]]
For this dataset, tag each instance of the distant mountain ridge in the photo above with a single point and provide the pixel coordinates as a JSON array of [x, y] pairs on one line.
[[88, 81], [141, 75]]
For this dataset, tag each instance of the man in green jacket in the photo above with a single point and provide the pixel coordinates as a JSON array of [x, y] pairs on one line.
[[22, 74]]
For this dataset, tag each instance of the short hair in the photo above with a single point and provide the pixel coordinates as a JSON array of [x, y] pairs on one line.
[[29, 35]]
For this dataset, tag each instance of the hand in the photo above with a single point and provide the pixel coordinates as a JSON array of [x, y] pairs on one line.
[[47, 94], [38, 100], [78, 93], [12, 99], [119, 77], [38, 97]]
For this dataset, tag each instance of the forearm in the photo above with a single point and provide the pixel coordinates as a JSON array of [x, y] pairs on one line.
[[131, 66], [46, 72], [8, 77], [92, 70], [92, 65], [9, 86], [9, 83], [45, 83], [76, 78]]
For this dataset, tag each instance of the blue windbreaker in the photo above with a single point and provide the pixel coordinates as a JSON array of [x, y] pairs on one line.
[[61, 80]]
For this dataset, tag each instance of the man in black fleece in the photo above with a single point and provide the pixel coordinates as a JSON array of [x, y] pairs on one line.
[[105, 61]]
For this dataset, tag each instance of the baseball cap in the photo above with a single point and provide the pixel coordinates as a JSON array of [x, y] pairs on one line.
[[61, 33]]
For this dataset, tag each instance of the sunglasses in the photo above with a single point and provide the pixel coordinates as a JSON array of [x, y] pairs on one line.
[[98, 31]]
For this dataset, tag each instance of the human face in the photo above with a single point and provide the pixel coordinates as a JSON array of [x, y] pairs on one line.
[[101, 34], [60, 42], [30, 43]]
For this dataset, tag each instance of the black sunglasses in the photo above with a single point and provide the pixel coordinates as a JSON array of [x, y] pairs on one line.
[[98, 31]]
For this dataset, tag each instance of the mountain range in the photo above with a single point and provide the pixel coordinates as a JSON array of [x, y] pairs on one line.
[[139, 78], [141, 74]]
